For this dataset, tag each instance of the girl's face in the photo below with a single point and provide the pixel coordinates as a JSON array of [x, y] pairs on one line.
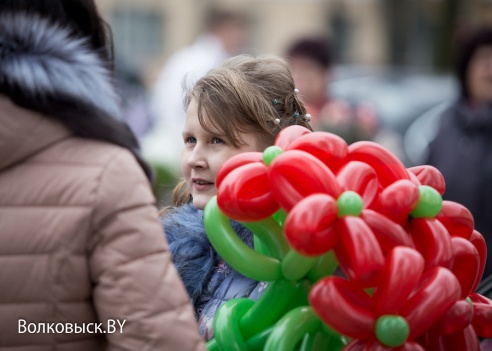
[[203, 155]]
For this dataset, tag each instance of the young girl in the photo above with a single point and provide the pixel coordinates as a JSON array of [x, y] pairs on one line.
[[238, 107]]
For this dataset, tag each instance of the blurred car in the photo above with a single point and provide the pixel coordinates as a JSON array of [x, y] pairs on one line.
[[400, 97]]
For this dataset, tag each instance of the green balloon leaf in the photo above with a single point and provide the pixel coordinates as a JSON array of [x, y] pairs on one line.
[[392, 330], [270, 153], [349, 204], [429, 204]]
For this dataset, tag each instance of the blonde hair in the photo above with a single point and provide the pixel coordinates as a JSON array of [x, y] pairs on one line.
[[245, 95]]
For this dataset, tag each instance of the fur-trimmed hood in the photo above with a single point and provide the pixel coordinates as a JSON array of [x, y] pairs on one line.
[[44, 62], [193, 255], [45, 68]]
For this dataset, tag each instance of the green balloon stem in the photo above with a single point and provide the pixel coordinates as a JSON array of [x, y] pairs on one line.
[[268, 308], [271, 236], [233, 250], [326, 265], [295, 266], [212, 345], [280, 216], [227, 329], [257, 342], [291, 328]]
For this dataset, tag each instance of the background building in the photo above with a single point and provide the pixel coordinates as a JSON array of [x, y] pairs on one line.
[[367, 32]]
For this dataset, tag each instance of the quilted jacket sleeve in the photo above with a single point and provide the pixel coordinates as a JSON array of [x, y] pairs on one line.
[[135, 282]]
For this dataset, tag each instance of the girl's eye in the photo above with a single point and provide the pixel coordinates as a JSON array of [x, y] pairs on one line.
[[217, 141], [190, 140]]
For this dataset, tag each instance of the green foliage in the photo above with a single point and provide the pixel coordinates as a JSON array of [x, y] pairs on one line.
[[165, 179]]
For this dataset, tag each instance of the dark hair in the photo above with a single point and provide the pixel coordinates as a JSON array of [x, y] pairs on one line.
[[81, 20], [467, 45], [80, 16], [313, 48]]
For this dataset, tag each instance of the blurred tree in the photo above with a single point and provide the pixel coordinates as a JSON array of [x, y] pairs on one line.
[[402, 20], [444, 40], [165, 180], [396, 30]]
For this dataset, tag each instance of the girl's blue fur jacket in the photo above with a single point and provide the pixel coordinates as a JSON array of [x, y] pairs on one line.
[[193, 255]]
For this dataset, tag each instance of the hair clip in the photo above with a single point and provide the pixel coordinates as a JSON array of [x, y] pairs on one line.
[[308, 117], [275, 101], [277, 120], [296, 91], [296, 114]]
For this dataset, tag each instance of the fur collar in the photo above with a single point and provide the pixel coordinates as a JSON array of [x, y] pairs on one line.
[[41, 61], [193, 255], [45, 69]]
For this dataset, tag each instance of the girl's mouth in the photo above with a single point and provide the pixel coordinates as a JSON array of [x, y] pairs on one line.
[[201, 184]]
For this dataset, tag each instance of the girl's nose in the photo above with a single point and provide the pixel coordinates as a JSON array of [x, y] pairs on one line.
[[197, 157]]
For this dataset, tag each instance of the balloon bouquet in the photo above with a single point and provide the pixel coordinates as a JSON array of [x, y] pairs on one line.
[[410, 261]]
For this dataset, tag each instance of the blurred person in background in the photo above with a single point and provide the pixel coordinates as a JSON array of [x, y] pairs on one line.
[[225, 35], [135, 99], [310, 59], [81, 246], [462, 149]]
